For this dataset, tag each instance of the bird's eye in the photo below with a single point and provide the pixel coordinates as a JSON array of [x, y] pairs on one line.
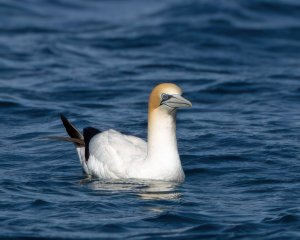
[[165, 97]]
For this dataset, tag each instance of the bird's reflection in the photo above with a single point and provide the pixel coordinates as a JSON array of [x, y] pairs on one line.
[[147, 190], [160, 191]]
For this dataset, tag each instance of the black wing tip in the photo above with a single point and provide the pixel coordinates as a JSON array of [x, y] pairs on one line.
[[91, 129], [88, 134]]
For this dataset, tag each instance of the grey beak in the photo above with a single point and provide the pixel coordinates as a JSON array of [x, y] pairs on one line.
[[177, 101]]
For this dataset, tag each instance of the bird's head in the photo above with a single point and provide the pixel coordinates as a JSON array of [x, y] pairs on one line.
[[167, 97]]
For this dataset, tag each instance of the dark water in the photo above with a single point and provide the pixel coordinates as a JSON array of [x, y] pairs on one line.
[[96, 61]]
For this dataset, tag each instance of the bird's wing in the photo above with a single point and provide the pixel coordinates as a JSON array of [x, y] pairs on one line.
[[112, 154]]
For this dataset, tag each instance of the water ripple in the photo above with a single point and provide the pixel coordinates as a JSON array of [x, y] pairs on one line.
[[237, 61]]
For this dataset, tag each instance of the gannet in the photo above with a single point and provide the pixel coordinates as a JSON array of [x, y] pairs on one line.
[[112, 155]]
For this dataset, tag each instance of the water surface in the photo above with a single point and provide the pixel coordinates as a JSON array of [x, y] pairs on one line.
[[97, 61]]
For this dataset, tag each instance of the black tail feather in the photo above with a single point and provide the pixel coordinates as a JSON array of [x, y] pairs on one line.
[[71, 130], [76, 141], [75, 136], [80, 140]]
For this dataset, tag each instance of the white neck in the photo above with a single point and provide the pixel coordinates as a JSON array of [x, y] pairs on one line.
[[162, 143]]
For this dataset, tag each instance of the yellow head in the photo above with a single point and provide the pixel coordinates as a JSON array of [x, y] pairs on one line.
[[167, 96]]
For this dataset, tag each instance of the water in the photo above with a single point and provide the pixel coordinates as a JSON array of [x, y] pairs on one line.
[[96, 62]]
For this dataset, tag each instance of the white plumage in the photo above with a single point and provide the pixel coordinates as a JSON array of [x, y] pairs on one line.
[[113, 155]]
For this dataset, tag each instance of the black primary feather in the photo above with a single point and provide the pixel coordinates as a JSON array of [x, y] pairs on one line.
[[71, 130], [88, 134]]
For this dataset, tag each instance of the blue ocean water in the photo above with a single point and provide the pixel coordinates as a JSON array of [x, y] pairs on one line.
[[96, 62]]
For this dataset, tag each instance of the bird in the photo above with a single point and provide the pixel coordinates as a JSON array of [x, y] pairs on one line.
[[112, 155]]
